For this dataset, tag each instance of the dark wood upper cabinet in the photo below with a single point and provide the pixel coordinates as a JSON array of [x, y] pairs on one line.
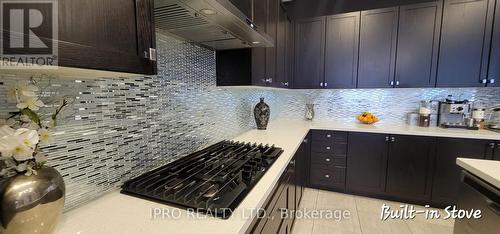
[[447, 173], [410, 167], [494, 69], [272, 30], [465, 43], [289, 54], [106, 35], [341, 57], [418, 44], [281, 46], [260, 9], [366, 163], [377, 48], [309, 53]]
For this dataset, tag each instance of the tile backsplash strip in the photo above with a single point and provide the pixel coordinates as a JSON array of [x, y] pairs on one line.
[[118, 128], [391, 105]]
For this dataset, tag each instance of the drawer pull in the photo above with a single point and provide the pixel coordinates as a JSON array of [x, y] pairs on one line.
[[328, 147], [328, 136], [327, 176], [327, 159]]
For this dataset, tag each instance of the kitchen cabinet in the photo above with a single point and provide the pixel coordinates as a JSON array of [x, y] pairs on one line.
[[410, 167], [287, 194], [377, 48], [309, 53], [418, 44], [110, 35], [269, 64], [494, 68], [446, 173], [281, 47], [465, 43], [328, 160], [366, 163], [289, 54], [259, 76], [341, 56]]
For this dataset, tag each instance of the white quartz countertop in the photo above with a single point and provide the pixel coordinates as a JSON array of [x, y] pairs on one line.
[[488, 170], [118, 213]]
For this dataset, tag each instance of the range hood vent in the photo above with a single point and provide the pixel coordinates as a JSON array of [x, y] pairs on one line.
[[214, 23]]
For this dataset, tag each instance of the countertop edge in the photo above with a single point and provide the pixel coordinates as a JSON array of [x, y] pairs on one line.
[[471, 166]]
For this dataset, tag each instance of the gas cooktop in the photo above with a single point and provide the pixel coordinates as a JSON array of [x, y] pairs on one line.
[[213, 180]]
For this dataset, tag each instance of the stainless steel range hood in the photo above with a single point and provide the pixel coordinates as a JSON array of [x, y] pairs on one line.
[[217, 24]]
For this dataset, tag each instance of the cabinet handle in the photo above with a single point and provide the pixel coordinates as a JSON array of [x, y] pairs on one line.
[[484, 81], [321, 84], [492, 81], [397, 83], [392, 83], [492, 145], [150, 54], [328, 148], [327, 176], [326, 84], [387, 138], [304, 141], [292, 162], [327, 159], [286, 84], [498, 145], [393, 139], [328, 135]]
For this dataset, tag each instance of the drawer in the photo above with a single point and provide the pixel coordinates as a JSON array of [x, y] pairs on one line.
[[337, 149], [327, 159], [328, 176], [330, 136]]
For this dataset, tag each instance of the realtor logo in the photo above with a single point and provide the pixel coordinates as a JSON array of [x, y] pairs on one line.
[[29, 34]]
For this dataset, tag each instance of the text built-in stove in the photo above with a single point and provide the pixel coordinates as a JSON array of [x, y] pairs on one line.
[[213, 180]]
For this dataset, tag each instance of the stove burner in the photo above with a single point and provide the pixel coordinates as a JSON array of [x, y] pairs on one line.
[[213, 179]]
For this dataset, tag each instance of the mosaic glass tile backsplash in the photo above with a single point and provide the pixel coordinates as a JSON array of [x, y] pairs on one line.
[[118, 128]]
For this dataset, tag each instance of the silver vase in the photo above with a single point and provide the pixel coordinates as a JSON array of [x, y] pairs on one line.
[[32, 204]]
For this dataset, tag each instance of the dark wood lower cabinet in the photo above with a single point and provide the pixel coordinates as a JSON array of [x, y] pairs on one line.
[[414, 169], [410, 167], [286, 197], [366, 163]]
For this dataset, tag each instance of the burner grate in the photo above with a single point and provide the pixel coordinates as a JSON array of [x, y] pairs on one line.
[[214, 179]]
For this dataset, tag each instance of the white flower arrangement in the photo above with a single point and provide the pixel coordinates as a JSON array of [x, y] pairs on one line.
[[22, 133]]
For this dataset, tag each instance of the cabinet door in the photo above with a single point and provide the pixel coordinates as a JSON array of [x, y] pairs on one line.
[[447, 173], [259, 54], [106, 35], [271, 30], [494, 69], [280, 45], [418, 43], [465, 43], [366, 163], [341, 58], [289, 58], [409, 167], [274, 221], [309, 53], [377, 48], [300, 171]]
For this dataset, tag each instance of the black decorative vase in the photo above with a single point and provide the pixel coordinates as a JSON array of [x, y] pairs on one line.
[[261, 113]]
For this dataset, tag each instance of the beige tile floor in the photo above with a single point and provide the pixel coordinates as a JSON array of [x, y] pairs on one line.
[[365, 216]]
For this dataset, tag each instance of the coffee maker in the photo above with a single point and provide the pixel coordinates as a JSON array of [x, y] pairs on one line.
[[455, 114]]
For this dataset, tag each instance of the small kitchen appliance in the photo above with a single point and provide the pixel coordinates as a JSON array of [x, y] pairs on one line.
[[213, 180], [455, 114]]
